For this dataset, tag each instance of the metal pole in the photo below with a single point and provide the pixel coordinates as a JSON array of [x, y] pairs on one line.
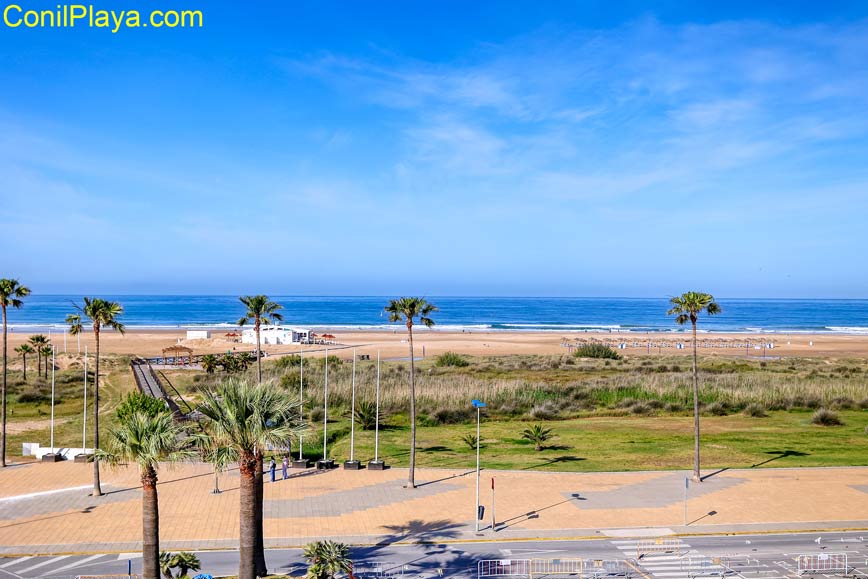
[[301, 399], [492, 505], [476, 511], [52, 399], [325, 417], [84, 410], [353, 413], [377, 424]]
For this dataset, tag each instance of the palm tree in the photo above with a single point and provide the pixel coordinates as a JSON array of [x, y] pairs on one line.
[[687, 307], [217, 455], [209, 363], [366, 415], [538, 435], [327, 559], [11, 293], [102, 314], [183, 562], [148, 440], [46, 352], [407, 310], [39, 341], [166, 564], [24, 350], [262, 311], [248, 417]]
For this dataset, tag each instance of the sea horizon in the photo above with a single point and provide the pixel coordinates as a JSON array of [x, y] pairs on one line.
[[46, 312]]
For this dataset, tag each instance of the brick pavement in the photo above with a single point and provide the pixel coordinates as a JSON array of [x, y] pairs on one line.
[[367, 506]]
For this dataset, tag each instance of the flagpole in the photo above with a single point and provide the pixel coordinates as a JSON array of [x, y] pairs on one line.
[[84, 410], [301, 402], [52, 397]]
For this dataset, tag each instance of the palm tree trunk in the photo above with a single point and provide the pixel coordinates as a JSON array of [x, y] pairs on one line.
[[258, 354], [150, 525], [411, 481], [261, 570], [696, 474], [38, 363], [24, 364], [247, 523], [3, 396], [97, 490]]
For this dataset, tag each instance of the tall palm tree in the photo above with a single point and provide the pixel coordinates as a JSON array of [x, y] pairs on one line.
[[261, 310], [248, 417], [11, 294], [102, 314], [46, 352], [148, 440], [39, 341], [24, 350], [407, 310], [686, 308]]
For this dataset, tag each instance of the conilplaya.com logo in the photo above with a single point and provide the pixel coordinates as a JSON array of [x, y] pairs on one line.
[[19, 16]]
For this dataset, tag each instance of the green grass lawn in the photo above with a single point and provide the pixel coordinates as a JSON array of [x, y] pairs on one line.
[[35, 416], [783, 439]]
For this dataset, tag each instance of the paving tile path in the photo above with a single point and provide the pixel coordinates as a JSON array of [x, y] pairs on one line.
[[45, 508]]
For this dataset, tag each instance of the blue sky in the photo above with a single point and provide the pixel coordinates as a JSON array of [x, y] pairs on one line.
[[449, 148]]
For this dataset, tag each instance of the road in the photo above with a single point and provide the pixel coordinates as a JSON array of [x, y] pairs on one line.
[[743, 557]]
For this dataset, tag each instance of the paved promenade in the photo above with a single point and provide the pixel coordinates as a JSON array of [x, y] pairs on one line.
[[45, 508]]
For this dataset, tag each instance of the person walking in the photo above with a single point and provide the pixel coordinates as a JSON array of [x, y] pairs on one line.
[[285, 465], [272, 466]]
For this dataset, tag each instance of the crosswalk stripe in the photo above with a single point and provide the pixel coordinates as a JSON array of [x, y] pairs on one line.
[[42, 564], [14, 561], [662, 557], [670, 574], [654, 568], [77, 563]]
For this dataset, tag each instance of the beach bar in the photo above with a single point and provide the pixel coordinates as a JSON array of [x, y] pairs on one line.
[[277, 335]]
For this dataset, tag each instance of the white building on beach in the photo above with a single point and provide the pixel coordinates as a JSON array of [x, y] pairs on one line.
[[277, 335]]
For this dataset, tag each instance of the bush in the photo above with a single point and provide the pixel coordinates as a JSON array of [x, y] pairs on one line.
[[32, 395], [138, 402], [640, 408], [755, 410], [545, 411], [291, 380], [717, 409], [451, 359], [597, 351], [825, 417]]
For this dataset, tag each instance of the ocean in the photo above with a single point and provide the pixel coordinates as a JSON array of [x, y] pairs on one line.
[[44, 312]]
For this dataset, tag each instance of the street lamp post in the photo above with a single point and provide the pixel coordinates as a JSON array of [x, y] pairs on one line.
[[479, 405], [301, 462]]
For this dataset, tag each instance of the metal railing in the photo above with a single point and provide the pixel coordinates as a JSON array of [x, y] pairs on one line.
[[822, 563]]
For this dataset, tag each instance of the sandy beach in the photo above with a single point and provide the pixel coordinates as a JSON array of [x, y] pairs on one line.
[[393, 344]]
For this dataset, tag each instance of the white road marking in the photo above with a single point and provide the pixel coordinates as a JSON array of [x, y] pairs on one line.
[[42, 564], [14, 561], [77, 563]]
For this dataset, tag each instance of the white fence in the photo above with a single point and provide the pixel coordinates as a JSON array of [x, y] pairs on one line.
[[660, 545], [580, 568], [823, 563]]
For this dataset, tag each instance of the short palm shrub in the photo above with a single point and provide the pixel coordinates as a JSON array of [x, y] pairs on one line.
[[184, 562], [451, 359], [327, 559], [826, 417], [538, 435], [597, 351], [755, 410], [470, 440], [366, 415]]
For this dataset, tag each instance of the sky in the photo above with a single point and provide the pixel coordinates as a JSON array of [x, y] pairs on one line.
[[441, 148]]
